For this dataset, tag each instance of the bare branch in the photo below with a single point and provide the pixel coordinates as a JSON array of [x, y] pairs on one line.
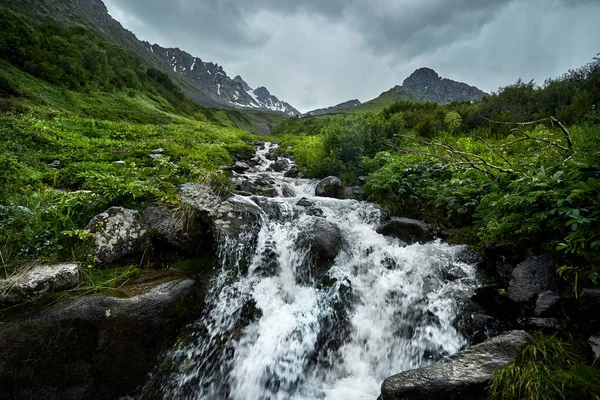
[[540, 139], [565, 131], [494, 150]]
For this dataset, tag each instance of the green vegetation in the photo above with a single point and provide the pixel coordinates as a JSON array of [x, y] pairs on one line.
[[552, 368], [532, 187], [79, 118]]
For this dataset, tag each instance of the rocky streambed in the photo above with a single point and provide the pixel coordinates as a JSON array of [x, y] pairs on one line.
[[316, 295]]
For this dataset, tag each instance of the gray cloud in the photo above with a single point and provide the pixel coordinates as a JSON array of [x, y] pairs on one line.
[[314, 53]]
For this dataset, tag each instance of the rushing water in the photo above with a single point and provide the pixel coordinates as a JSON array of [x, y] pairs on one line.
[[274, 328]]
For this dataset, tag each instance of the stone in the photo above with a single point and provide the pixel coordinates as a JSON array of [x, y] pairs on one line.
[[155, 156], [546, 303], [119, 162], [280, 165], [287, 190], [314, 211], [178, 227], [56, 164], [119, 233], [240, 167], [549, 325], [100, 346], [594, 342], [323, 238], [37, 281], [160, 150], [293, 172], [304, 202], [226, 217], [330, 187], [362, 180], [406, 229], [533, 276], [464, 375]]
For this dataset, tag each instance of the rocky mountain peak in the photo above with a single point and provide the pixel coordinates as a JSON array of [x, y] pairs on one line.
[[242, 82], [422, 75]]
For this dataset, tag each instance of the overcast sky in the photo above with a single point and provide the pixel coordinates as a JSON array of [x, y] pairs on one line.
[[317, 53]]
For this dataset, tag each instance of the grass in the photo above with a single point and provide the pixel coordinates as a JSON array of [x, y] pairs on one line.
[[551, 368]]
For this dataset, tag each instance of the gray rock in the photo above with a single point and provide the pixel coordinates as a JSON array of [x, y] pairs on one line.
[[287, 190], [226, 217], [315, 211], [155, 156], [533, 276], [179, 227], [160, 150], [120, 162], [330, 187], [406, 229], [293, 172], [304, 202], [547, 324], [323, 238], [240, 167], [362, 180], [119, 233], [594, 342], [56, 164], [37, 281], [464, 375], [280, 165], [546, 303], [272, 155], [95, 347]]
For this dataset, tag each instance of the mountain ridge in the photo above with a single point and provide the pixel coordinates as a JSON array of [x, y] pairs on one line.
[[208, 85], [339, 107]]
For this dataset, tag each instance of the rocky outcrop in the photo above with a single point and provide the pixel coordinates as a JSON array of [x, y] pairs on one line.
[[406, 229], [37, 281], [179, 228], [119, 233], [226, 217], [546, 303], [101, 347], [533, 276], [323, 239], [342, 106], [330, 187], [280, 165], [464, 375]]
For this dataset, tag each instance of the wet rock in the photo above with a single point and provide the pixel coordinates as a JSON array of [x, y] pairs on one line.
[[243, 193], [323, 238], [259, 143], [95, 347], [272, 154], [464, 375], [287, 190], [293, 172], [155, 156], [533, 276], [549, 325], [276, 210], [119, 233], [479, 327], [56, 164], [362, 180], [37, 281], [160, 150], [330, 187], [253, 162], [315, 211], [280, 165], [353, 192], [304, 202], [406, 229], [594, 342], [229, 217], [259, 188], [546, 303], [240, 167], [179, 228], [494, 299]]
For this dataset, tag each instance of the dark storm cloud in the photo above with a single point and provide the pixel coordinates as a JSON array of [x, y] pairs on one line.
[[315, 53]]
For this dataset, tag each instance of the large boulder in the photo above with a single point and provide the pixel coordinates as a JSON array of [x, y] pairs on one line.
[[282, 164], [546, 304], [178, 227], [323, 238], [119, 233], [95, 347], [226, 217], [293, 172], [406, 229], [464, 375], [330, 187], [37, 281], [533, 276]]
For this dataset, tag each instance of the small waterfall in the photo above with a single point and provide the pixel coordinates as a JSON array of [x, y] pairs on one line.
[[286, 326]]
